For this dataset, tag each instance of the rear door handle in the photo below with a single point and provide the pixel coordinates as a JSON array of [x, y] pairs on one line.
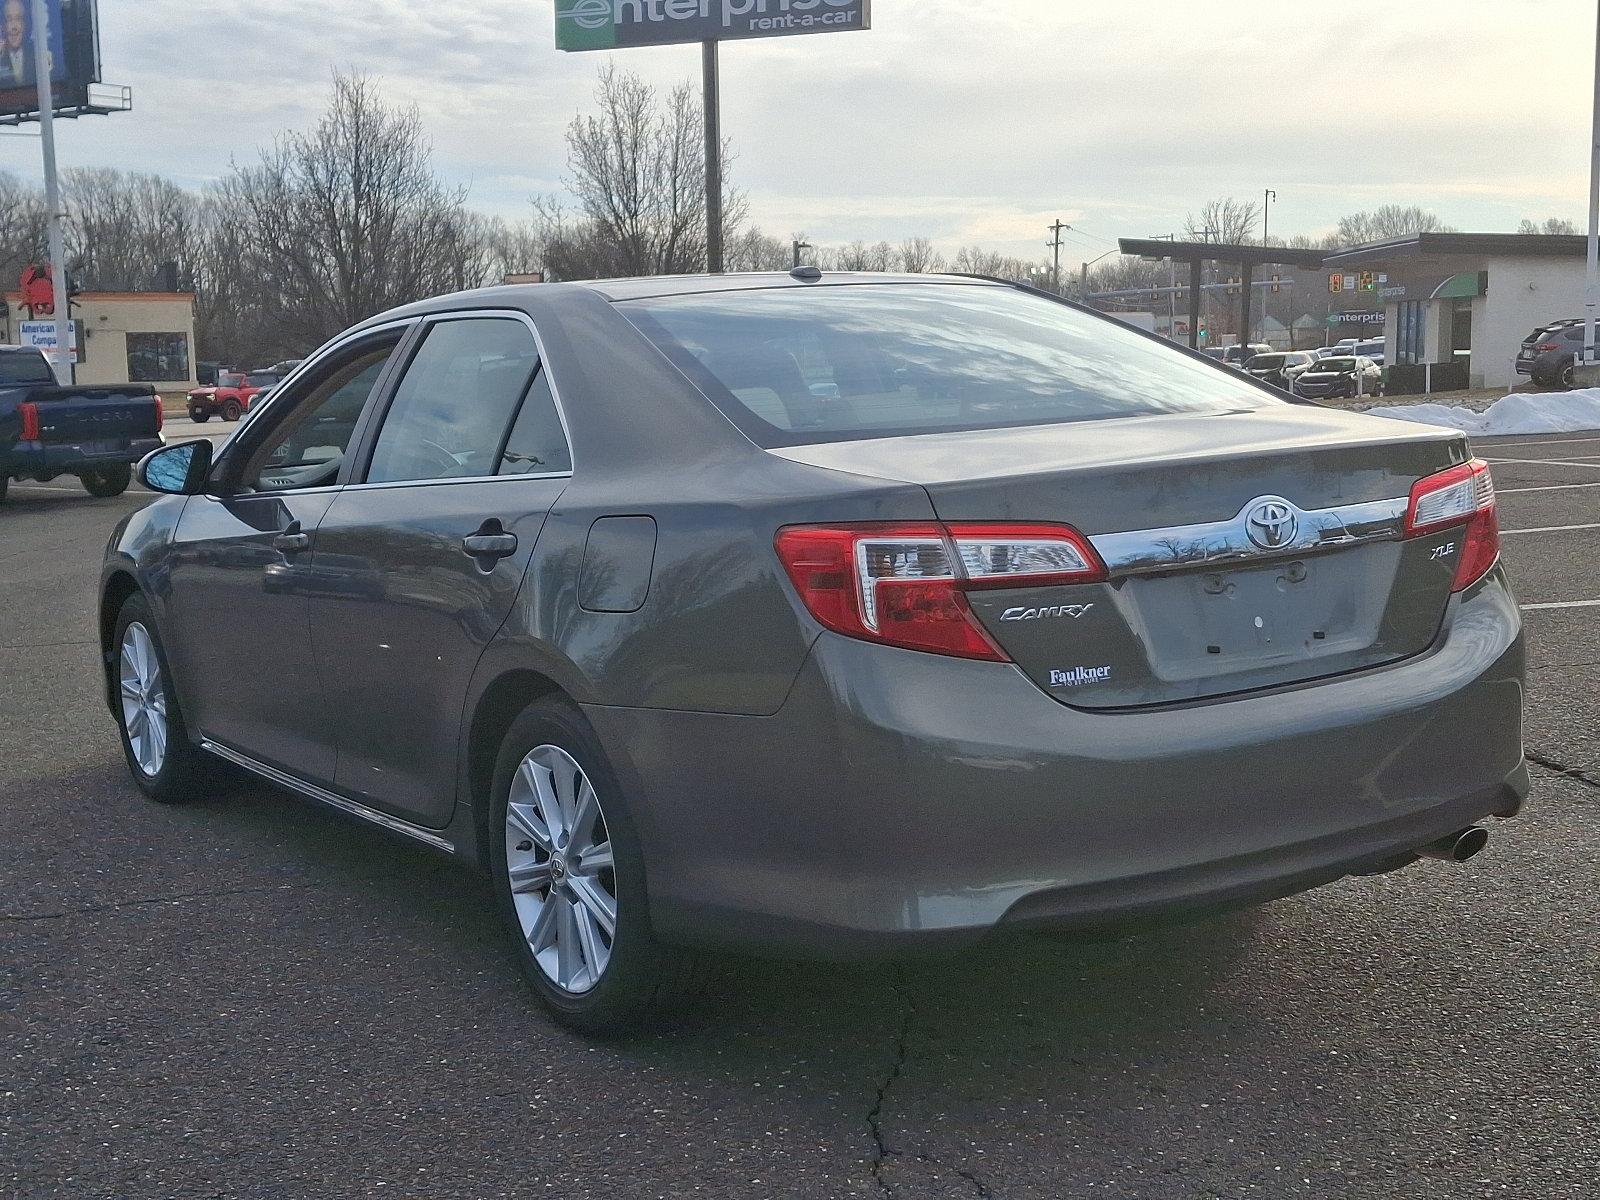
[[484, 544]]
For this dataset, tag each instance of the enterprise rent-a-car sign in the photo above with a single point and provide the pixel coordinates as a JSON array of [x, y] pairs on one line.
[[607, 24]]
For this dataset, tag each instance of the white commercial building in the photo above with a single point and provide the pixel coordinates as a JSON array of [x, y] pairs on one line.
[[1461, 303]]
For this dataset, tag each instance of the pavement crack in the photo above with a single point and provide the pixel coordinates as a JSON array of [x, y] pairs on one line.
[[1577, 774], [143, 901], [902, 1048]]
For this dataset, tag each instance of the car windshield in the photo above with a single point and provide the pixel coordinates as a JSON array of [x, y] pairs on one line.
[[24, 366], [792, 366], [229, 378], [1266, 362], [1337, 364]]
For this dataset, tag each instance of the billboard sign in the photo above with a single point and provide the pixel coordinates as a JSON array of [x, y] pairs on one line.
[[615, 24], [41, 335], [73, 48]]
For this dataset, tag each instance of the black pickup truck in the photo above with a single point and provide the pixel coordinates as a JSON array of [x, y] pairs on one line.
[[95, 433]]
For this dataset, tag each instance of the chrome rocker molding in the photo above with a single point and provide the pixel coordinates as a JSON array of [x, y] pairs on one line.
[[284, 779], [1147, 551]]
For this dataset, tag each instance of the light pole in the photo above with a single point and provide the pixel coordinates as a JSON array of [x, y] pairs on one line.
[[1590, 375], [1083, 276], [1267, 197], [799, 246]]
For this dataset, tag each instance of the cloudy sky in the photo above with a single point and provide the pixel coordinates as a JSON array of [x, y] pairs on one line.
[[962, 120]]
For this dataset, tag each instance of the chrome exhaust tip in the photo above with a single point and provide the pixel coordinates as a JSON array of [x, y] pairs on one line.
[[1458, 846]]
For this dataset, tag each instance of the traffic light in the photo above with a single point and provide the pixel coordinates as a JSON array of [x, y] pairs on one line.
[[1336, 282], [1366, 282]]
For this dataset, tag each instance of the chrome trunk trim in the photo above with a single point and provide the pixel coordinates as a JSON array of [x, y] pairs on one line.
[[1150, 551], [323, 796]]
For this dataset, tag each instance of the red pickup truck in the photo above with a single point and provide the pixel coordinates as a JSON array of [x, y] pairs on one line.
[[230, 398]]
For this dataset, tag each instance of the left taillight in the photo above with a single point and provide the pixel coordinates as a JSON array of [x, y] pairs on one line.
[[902, 584], [161, 416], [29, 415], [1459, 496]]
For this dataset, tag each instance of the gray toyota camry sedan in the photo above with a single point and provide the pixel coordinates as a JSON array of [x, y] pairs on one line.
[[826, 613]]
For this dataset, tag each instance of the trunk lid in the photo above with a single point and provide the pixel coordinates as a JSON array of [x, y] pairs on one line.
[[1245, 550]]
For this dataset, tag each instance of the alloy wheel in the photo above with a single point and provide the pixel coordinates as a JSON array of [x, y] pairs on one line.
[[144, 699], [560, 869]]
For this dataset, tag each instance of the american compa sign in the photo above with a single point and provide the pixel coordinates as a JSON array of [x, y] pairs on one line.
[[609, 24]]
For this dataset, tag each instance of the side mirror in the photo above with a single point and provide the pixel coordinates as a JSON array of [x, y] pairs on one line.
[[179, 470]]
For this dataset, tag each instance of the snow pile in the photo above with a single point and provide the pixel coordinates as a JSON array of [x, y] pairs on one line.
[[1520, 412]]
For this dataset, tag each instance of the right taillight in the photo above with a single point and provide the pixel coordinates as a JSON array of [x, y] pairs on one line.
[[1460, 496], [903, 584], [29, 414]]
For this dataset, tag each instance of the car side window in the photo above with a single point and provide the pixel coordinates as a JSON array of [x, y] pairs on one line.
[[308, 447], [451, 410], [538, 443]]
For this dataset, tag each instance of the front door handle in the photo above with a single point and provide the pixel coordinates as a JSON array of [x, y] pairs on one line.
[[490, 542], [292, 540]]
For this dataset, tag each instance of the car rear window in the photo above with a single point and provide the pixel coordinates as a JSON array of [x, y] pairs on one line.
[[1337, 364], [1267, 362], [24, 366], [791, 366]]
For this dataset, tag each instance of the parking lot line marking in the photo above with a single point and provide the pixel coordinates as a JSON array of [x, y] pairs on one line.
[[1547, 487], [1562, 604], [1550, 528], [1545, 462]]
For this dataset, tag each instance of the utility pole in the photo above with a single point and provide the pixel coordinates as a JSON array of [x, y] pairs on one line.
[[1172, 286], [1056, 246], [1267, 197], [1591, 295], [52, 189], [713, 123]]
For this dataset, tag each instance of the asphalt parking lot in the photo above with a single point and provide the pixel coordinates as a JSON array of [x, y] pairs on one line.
[[252, 997]]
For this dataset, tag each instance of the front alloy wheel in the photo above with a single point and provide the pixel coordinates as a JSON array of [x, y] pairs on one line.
[[144, 700], [559, 865]]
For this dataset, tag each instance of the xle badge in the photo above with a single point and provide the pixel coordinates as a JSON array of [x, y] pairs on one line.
[[1078, 676]]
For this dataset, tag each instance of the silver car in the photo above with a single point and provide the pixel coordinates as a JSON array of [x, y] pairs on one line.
[[831, 614]]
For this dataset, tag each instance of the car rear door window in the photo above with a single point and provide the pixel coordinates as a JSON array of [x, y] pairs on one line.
[[451, 411], [538, 442]]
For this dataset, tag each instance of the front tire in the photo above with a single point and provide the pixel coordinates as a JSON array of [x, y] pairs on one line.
[[569, 878], [107, 481], [163, 762], [199, 418]]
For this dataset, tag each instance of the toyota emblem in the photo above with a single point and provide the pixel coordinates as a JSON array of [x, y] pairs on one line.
[[1272, 524]]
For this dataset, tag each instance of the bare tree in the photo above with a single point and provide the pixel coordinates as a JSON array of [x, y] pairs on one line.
[[1388, 221], [638, 175], [753, 250], [1224, 219], [22, 225], [347, 220], [917, 255], [1548, 225], [123, 225]]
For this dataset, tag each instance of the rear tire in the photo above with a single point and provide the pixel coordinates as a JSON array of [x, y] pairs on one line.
[[107, 481], [1568, 377], [165, 764], [587, 980], [231, 411]]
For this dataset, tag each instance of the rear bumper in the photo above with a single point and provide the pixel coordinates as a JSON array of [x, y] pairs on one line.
[[68, 458], [901, 799]]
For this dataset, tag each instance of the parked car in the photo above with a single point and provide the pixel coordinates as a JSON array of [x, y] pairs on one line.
[[231, 396], [1334, 377], [1278, 368], [1237, 356], [825, 615], [94, 433], [1373, 350], [1549, 353]]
